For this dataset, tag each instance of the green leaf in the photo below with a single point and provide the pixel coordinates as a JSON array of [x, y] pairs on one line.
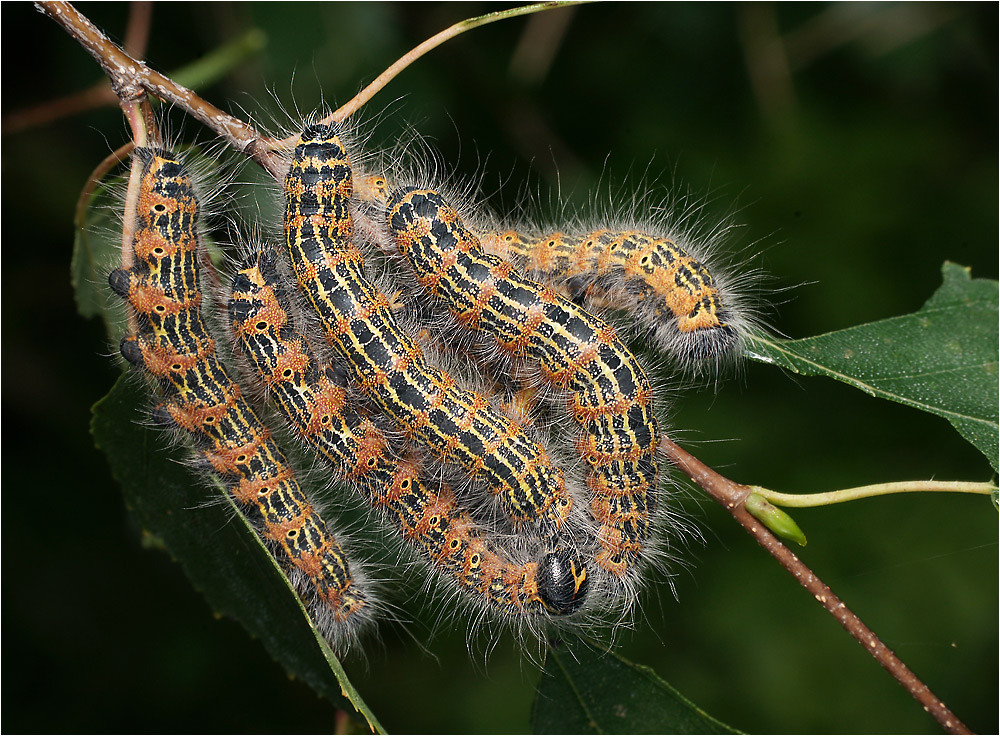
[[199, 526], [215, 544], [941, 359], [96, 249], [587, 688]]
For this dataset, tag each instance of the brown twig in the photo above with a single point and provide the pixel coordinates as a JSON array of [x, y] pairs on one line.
[[130, 78], [140, 20], [141, 135], [144, 132], [732, 497]]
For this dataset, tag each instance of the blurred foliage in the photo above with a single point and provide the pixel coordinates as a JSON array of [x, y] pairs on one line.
[[855, 175]]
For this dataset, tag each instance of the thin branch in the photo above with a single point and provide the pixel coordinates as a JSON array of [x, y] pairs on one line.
[[135, 114], [130, 77], [140, 20], [806, 500], [732, 497], [144, 133], [431, 43]]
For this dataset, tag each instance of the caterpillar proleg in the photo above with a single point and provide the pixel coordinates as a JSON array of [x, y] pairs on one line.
[[175, 347]]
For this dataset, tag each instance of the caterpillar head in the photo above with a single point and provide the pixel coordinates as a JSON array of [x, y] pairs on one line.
[[562, 582]]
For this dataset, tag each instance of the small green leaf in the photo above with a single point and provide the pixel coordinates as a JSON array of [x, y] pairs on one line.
[[587, 688], [774, 518], [941, 359], [214, 543]]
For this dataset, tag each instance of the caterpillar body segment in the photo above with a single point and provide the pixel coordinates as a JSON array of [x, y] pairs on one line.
[[173, 345], [455, 424], [312, 398], [610, 395], [673, 293], [456, 545]]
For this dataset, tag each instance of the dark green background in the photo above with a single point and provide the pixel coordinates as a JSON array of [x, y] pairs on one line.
[[881, 164]]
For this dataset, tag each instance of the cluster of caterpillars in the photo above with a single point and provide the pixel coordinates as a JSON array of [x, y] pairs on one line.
[[509, 517]]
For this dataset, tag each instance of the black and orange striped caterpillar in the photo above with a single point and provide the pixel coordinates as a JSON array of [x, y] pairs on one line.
[[610, 396], [173, 345]]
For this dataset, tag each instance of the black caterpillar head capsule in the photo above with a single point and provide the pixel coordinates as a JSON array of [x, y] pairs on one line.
[[319, 132], [562, 582]]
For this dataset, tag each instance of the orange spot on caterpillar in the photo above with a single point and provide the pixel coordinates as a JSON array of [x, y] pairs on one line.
[[573, 350], [431, 521], [173, 345]]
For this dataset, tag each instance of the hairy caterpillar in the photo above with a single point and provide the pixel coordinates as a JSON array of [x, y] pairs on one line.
[[174, 346], [453, 423], [690, 309], [538, 572], [611, 399], [671, 292], [313, 398]]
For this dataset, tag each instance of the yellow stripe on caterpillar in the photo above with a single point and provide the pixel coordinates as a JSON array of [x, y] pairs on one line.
[[313, 398], [174, 346], [455, 424], [611, 399]]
